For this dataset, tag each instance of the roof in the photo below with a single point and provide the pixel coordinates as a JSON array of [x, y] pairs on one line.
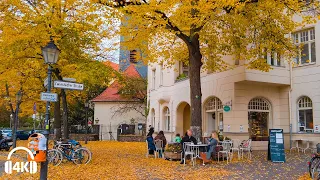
[[131, 71], [114, 66], [111, 93]]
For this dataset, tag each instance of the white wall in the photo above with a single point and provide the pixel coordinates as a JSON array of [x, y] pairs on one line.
[[104, 112]]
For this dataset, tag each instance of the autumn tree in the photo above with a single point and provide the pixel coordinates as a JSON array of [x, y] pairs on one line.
[[202, 32], [134, 90], [76, 27]]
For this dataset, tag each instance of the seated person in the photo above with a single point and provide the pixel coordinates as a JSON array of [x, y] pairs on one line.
[[177, 139], [161, 137], [212, 143]]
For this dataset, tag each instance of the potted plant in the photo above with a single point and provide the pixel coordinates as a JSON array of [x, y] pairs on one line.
[[173, 151]]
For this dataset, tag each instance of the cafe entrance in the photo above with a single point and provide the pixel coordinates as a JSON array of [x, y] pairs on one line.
[[259, 113]]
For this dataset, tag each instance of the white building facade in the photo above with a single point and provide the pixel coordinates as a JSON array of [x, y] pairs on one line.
[[286, 96]]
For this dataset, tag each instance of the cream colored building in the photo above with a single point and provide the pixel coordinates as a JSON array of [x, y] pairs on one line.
[[259, 101]]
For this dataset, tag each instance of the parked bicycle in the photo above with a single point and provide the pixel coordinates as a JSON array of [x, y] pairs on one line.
[[71, 150], [314, 166]]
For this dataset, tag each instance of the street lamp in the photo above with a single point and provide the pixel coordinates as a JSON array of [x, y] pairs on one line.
[[50, 54], [86, 104], [15, 124]]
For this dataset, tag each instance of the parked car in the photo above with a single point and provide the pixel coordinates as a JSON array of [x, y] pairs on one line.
[[21, 135], [5, 132], [36, 131]]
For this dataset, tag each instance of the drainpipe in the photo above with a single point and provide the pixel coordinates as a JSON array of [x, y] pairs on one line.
[[290, 105]]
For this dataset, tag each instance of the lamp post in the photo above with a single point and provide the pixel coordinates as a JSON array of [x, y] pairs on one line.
[[15, 124], [50, 54], [86, 104]]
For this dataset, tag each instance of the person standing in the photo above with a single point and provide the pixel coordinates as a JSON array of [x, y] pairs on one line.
[[187, 138], [151, 146]]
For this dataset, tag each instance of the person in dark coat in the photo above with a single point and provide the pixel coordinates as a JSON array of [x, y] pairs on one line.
[[151, 146], [187, 138]]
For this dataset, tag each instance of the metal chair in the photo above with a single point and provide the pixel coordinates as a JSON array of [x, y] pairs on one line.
[[159, 148], [235, 147], [227, 145], [188, 150], [246, 147]]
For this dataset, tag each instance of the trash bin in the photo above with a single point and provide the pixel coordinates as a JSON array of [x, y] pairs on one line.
[[318, 148], [37, 145]]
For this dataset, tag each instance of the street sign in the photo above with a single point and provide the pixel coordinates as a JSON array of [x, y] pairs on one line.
[[68, 85], [51, 97], [226, 108], [69, 79]]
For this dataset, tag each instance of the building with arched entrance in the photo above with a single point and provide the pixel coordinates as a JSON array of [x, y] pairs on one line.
[[243, 103]]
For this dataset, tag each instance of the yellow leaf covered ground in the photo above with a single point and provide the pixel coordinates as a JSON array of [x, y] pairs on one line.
[[122, 160]]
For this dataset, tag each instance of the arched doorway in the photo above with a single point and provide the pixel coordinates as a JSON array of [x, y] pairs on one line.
[[183, 118], [213, 109], [259, 114]]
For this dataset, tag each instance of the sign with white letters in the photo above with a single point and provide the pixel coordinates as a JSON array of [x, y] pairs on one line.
[[68, 85]]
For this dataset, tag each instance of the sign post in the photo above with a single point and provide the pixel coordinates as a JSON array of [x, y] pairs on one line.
[[226, 108], [276, 145], [49, 97]]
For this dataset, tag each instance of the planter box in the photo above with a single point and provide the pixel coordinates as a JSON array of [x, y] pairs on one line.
[[172, 155]]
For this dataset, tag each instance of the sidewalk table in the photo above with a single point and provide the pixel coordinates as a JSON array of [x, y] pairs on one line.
[[196, 148]]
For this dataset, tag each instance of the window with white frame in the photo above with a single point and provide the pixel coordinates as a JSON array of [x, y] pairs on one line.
[[273, 58], [153, 81], [166, 119], [306, 39], [305, 114], [184, 69], [153, 118], [213, 104], [161, 75]]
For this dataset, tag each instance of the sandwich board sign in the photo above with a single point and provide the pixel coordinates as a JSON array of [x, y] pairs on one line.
[[276, 145]]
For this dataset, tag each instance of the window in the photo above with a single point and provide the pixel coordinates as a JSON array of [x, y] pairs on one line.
[[259, 104], [161, 74], [213, 104], [153, 79], [305, 114], [273, 58], [133, 56], [306, 39], [167, 119], [153, 118], [184, 69]]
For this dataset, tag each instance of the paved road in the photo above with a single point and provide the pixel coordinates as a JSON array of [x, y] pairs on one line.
[[259, 168]]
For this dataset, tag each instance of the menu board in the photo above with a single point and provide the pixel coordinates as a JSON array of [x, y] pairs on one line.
[[276, 145]]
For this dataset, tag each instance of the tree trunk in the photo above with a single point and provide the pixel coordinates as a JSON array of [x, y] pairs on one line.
[[65, 114], [57, 120], [195, 86]]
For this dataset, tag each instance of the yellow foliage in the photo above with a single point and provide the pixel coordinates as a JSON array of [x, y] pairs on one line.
[[76, 27], [124, 160]]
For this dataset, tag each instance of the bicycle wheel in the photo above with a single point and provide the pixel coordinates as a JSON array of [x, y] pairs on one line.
[[313, 162], [54, 157], [316, 171], [81, 156]]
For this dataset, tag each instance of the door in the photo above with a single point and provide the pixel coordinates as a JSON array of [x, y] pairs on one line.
[[211, 122]]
